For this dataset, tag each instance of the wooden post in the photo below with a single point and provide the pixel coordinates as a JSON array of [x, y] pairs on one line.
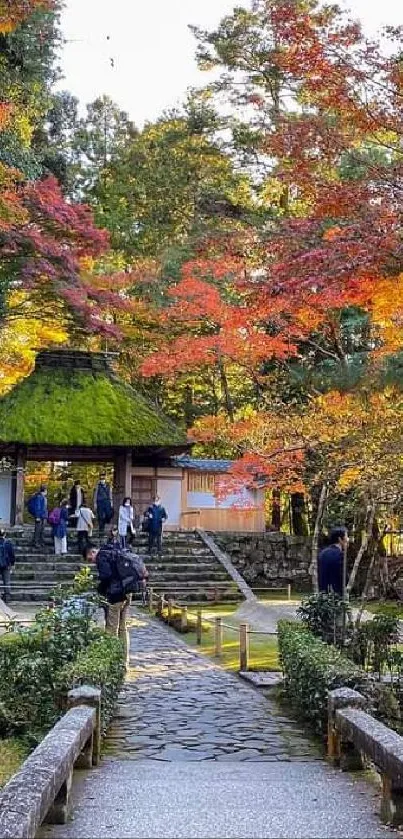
[[19, 487], [289, 591], [218, 637], [151, 600], [184, 619], [199, 627], [170, 604], [243, 646]]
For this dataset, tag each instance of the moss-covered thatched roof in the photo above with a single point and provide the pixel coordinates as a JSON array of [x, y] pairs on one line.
[[73, 399]]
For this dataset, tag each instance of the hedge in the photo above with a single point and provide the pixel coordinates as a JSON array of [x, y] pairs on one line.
[[175, 620], [101, 664], [311, 669]]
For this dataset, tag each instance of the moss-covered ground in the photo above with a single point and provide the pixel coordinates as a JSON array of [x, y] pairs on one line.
[[12, 755]]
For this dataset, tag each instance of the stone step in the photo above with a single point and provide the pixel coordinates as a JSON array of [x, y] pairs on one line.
[[59, 576], [49, 556]]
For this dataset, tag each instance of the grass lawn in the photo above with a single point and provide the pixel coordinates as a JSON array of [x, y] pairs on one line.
[[12, 755], [382, 607], [263, 649]]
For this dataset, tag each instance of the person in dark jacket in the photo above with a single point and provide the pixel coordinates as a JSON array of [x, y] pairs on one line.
[[39, 510], [330, 563], [7, 560], [103, 503], [110, 587], [156, 516]]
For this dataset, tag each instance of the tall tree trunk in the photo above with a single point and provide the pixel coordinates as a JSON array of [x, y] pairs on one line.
[[227, 396], [363, 547], [298, 514], [276, 510], [375, 552], [315, 539]]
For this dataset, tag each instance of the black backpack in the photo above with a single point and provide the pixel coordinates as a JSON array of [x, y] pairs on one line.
[[130, 570]]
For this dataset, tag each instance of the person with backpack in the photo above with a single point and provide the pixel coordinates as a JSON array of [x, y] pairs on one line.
[[103, 504], [7, 560], [38, 509], [58, 519], [120, 575], [85, 524], [157, 515]]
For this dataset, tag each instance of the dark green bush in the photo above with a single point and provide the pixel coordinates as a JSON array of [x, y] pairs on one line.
[[311, 669], [34, 661], [101, 664], [175, 620], [326, 615]]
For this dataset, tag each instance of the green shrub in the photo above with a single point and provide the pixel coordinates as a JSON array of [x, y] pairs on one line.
[[311, 669], [101, 664], [326, 615], [175, 620], [35, 658]]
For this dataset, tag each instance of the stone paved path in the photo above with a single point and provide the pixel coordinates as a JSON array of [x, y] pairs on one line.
[[196, 753], [179, 705]]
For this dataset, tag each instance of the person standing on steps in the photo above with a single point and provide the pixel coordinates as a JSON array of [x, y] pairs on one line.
[[330, 562], [126, 522], [7, 560], [77, 500], [85, 524], [38, 509], [157, 515], [103, 504], [58, 518]]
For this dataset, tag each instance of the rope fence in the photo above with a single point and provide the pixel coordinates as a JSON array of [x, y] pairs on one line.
[[243, 631]]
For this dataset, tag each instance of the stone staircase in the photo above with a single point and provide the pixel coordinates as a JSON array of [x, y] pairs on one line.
[[186, 571]]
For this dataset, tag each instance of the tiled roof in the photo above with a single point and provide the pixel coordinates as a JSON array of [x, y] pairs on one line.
[[202, 464]]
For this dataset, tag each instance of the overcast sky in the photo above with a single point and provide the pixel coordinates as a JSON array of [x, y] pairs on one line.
[[151, 49]]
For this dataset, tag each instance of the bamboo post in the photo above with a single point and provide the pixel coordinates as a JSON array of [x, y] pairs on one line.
[[151, 600], [160, 605], [243, 647], [218, 637], [289, 591], [184, 619], [170, 604], [199, 627]]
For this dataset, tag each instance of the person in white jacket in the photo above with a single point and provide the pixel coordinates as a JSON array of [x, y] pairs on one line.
[[126, 522]]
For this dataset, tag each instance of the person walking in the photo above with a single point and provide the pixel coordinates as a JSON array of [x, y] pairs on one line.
[[7, 560], [126, 522], [85, 524], [157, 515], [330, 562], [103, 503], [38, 509], [58, 518], [76, 501]]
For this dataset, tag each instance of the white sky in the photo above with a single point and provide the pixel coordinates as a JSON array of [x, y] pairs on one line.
[[152, 48]]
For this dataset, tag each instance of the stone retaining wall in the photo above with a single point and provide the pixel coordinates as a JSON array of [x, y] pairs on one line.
[[268, 559]]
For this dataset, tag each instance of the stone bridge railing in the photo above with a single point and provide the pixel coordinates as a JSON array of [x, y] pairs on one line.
[[40, 790], [356, 738]]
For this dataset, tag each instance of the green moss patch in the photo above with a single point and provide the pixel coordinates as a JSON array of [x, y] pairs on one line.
[[12, 755], [61, 407]]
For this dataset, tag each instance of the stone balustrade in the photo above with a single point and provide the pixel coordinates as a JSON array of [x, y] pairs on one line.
[[40, 790], [356, 739]]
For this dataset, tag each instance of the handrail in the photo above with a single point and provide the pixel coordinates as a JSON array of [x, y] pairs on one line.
[[354, 736], [40, 790]]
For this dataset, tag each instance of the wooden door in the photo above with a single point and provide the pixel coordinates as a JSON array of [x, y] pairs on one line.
[[143, 492]]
